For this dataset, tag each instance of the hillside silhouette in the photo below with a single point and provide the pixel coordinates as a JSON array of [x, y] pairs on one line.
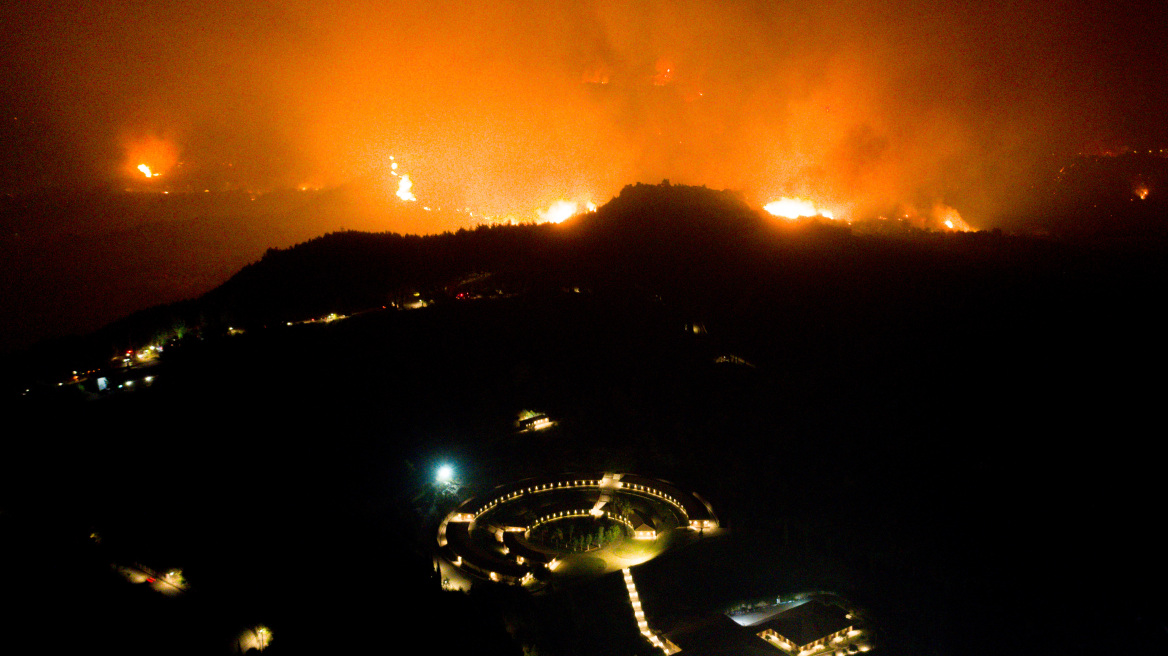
[[705, 253], [939, 426]]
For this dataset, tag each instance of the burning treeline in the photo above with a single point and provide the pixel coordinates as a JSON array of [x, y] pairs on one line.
[[859, 108]]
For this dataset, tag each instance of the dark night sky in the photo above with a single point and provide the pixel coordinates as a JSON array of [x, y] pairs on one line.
[[864, 107], [509, 106]]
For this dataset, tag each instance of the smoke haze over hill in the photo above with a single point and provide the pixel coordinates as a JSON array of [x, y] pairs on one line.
[[508, 106]]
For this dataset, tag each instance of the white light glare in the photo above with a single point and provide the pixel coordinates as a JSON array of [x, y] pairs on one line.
[[445, 474]]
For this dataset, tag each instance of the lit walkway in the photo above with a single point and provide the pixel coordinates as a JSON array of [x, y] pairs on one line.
[[642, 623]]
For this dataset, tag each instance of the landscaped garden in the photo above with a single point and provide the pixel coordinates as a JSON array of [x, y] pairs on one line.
[[578, 534]]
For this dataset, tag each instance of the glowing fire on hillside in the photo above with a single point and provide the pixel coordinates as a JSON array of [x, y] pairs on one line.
[[562, 210], [403, 188], [795, 208], [950, 218], [149, 156], [558, 211]]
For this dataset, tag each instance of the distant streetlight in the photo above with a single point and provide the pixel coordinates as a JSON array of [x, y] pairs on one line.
[[263, 636], [445, 482]]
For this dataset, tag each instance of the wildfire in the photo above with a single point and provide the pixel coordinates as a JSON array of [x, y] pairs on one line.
[[794, 208], [559, 211], [1141, 190], [950, 218], [403, 188], [150, 155]]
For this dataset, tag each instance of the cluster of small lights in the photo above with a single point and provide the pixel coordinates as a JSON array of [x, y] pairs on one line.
[[328, 318], [496, 577], [837, 640], [588, 483], [774, 638], [127, 361], [567, 514], [562, 485], [645, 489], [606, 481]]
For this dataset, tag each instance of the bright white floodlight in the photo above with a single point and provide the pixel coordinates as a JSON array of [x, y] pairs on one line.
[[445, 474]]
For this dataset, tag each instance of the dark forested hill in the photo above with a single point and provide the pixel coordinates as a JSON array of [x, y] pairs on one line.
[[705, 253], [951, 429]]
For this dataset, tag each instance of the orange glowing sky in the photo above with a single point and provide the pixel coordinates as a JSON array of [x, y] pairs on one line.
[[513, 106]]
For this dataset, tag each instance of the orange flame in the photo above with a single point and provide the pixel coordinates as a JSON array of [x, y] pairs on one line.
[[149, 155], [794, 208], [559, 211], [403, 188], [950, 218]]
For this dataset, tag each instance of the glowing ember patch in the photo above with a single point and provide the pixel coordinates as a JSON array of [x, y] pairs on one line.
[[403, 188], [558, 212], [794, 208], [1141, 191], [664, 72], [149, 156], [950, 218]]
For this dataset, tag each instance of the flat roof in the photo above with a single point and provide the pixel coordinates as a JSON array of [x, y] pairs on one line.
[[718, 635], [759, 615], [807, 622]]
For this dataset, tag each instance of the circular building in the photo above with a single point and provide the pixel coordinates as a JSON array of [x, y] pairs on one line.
[[568, 525]]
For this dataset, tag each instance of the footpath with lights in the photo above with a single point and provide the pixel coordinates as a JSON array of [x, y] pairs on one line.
[[652, 636]]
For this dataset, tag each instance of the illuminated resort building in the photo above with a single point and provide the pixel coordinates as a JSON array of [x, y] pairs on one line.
[[490, 538], [534, 421], [642, 530], [812, 627], [817, 625]]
